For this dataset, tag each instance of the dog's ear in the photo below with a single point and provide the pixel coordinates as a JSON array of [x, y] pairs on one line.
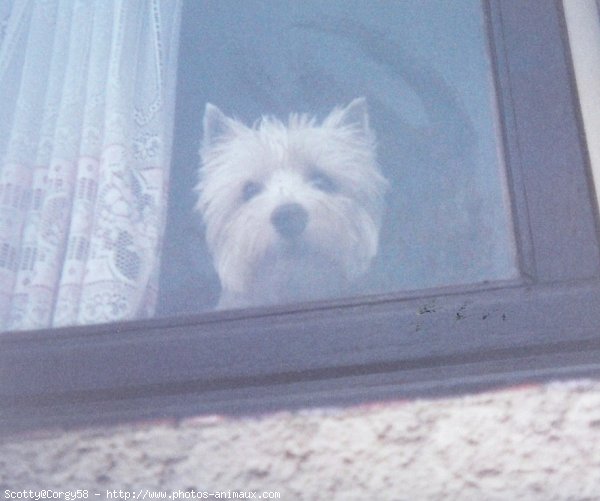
[[216, 125], [355, 115]]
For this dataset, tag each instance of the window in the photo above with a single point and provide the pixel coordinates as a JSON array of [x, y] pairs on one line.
[[541, 324], [425, 71]]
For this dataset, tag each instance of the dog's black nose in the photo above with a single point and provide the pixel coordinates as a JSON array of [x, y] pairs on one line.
[[289, 220]]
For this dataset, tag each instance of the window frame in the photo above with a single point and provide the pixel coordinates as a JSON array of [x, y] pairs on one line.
[[409, 344]]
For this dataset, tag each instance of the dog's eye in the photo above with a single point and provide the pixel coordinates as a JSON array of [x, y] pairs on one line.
[[250, 190], [323, 182]]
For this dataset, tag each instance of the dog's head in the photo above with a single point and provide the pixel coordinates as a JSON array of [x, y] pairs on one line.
[[292, 211]]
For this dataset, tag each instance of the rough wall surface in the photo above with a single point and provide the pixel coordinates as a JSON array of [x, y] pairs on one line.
[[530, 443]]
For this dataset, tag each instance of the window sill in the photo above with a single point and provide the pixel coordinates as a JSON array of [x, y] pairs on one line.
[[268, 359]]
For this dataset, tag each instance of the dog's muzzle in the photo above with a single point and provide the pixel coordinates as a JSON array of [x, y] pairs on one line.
[[289, 220]]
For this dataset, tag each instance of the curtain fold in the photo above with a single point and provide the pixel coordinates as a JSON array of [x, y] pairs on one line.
[[87, 90]]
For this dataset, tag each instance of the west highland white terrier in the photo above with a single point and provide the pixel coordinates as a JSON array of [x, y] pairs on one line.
[[292, 211]]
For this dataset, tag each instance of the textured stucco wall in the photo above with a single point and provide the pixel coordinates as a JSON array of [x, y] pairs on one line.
[[530, 443]]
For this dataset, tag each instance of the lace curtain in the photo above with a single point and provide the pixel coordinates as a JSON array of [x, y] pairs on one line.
[[87, 99]]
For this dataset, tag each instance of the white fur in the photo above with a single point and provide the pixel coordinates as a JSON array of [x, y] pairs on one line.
[[328, 169]]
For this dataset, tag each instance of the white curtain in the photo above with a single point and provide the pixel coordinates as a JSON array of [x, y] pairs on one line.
[[86, 117]]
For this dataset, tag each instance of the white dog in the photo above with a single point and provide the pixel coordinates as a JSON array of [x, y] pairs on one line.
[[292, 211]]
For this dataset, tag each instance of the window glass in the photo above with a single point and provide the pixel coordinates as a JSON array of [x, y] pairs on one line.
[[417, 76]]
